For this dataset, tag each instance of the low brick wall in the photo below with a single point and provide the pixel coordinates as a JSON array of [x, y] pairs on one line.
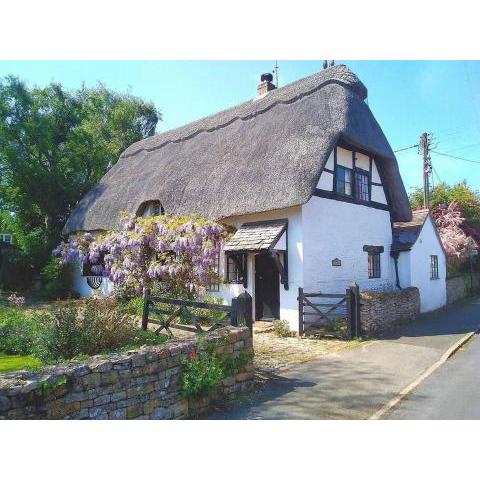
[[458, 287], [384, 311], [142, 384]]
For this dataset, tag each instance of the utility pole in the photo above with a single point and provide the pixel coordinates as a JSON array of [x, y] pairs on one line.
[[424, 149], [275, 72]]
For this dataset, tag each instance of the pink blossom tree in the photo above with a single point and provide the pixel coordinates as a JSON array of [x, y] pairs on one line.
[[448, 219], [178, 252]]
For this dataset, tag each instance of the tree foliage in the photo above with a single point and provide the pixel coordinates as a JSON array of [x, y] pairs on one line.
[[179, 252], [466, 199], [54, 146]]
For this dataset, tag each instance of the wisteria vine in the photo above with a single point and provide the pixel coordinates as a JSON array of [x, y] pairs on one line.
[[180, 252]]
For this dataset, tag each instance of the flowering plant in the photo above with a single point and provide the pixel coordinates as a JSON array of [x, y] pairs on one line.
[[448, 219], [179, 252], [16, 300]]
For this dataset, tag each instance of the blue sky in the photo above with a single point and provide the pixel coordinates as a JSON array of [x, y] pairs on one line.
[[406, 97]]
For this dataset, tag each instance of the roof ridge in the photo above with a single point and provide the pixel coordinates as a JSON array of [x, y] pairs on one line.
[[354, 84]]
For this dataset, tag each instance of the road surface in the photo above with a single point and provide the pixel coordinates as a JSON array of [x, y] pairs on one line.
[[452, 392], [355, 383]]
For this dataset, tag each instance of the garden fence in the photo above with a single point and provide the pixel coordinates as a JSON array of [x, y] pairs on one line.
[[194, 316]]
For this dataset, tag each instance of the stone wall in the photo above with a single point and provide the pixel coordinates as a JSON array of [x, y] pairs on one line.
[[141, 384], [383, 311], [458, 287]]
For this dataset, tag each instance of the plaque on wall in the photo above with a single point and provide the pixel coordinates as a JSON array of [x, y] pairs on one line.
[[336, 262]]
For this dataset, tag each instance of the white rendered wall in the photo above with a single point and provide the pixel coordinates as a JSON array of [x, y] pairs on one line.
[[378, 195], [404, 274], [325, 182], [288, 298], [433, 293], [80, 285], [334, 229]]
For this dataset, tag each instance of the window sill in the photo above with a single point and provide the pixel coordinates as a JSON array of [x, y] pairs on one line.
[[353, 198]]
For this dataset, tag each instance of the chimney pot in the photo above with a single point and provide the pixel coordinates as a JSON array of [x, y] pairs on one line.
[[265, 84]]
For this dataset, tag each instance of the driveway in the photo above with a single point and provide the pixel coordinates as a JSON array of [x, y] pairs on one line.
[[355, 383]]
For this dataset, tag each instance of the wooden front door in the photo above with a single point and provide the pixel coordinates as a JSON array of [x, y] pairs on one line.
[[267, 288]]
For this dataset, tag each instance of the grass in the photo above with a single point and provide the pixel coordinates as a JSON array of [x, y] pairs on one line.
[[12, 363]]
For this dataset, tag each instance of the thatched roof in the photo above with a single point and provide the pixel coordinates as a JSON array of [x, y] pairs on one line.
[[261, 155]]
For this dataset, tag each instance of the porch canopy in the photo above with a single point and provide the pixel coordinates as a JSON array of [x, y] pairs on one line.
[[258, 236]]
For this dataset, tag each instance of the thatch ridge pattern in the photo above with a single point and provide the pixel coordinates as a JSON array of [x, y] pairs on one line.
[[339, 74]]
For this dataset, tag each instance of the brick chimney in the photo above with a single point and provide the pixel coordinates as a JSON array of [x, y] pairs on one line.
[[265, 84]]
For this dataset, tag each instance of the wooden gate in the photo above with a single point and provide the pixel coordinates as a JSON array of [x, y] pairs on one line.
[[335, 314], [193, 316]]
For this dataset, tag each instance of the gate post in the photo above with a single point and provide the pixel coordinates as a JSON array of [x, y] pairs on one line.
[[234, 314], [350, 312], [146, 301], [355, 309], [242, 310], [300, 312]]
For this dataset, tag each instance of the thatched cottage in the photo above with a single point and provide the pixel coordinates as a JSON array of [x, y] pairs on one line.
[[305, 175]]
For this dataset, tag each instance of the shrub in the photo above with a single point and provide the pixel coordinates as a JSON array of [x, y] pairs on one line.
[[145, 338], [73, 330], [19, 332], [88, 327], [56, 279], [282, 328], [201, 374], [130, 306], [232, 365]]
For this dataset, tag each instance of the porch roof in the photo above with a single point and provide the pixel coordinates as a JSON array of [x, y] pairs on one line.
[[256, 236]]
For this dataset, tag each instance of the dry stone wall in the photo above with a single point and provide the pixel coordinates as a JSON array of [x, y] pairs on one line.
[[384, 311], [141, 384], [459, 286]]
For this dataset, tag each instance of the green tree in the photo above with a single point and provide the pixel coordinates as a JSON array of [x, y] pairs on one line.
[[467, 199], [55, 145]]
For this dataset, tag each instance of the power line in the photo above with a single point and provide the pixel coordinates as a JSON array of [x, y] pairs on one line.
[[438, 176], [455, 157], [406, 148], [465, 147]]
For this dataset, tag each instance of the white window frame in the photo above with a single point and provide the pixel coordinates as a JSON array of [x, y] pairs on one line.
[[4, 236]]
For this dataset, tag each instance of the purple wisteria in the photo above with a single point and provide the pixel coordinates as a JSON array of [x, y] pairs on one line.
[[179, 252]]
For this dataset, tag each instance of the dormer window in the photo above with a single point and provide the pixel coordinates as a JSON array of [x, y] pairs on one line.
[[344, 180], [150, 209], [353, 182]]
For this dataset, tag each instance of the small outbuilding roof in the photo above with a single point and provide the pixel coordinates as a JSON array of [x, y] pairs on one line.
[[264, 154], [255, 236], [405, 234]]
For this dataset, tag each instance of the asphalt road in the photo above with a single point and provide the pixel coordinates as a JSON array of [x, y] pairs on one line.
[[356, 382], [452, 392]]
